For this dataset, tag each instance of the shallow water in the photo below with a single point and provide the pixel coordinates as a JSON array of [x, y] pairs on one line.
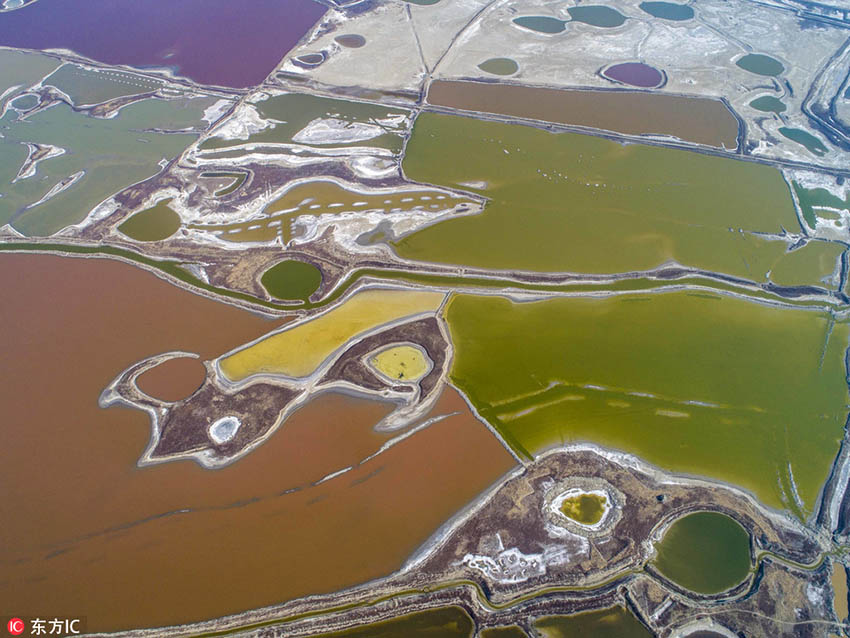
[[700, 120], [705, 552], [541, 24], [597, 16], [291, 280], [760, 64], [228, 47], [579, 203], [499, 66], [443, 622], [174, 543], [768, 104], [614, 622], [804, 138], [635, 74], [152, 224], [553, 372], [668, 10]]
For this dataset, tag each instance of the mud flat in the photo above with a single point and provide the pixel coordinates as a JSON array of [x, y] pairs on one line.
[[698, 120]]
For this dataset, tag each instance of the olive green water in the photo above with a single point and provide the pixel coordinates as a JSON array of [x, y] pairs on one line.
[[597, 16], [237, 179], [443, 622], [804, 138], [584, 508], [760, 64], [705, 552], [293, 111], [614, 622], [153, 224], [292, 279], [668, 10], [580, 203], [499, 66], [110, 153], [768, 104], [693, 382]]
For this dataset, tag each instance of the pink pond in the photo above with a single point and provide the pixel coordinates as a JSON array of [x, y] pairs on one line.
[[220, 42], [635, 74]]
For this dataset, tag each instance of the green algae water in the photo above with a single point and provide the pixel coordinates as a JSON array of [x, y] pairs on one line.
[[705, 552], [760, 64], [668, 10], [578, 203], [690, 381], [597, 16], [614, 622], [586, 509], [154, 224], [91, 86], [444, 622], [768, 104], [292, 279]]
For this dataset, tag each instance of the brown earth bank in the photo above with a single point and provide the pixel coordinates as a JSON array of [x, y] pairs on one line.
[[88, 533]]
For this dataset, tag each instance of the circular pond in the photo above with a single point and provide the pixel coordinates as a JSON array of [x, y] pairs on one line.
[[173, 379], [760, 64], [153, 224], [597, 16], [705, 552], [292, 280], [668, 10], [309, 60], [499, 66], [402, 362], [541, 24], [635, 74]]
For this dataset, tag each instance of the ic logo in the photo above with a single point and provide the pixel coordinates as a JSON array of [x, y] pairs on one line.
[[16, 626]]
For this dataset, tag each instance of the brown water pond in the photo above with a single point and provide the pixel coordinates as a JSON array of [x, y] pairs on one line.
[[86, 532], [698, 120]]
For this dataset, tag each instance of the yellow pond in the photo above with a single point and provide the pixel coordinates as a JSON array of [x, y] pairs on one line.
[[401, 362], [297, 350]]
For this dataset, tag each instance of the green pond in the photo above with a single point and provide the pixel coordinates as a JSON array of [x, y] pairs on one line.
[[804, 138], [597, 16], [294, 111], [768, 104], [89, 86], [541, 24], [499, 66], [153, 224], [705, 552], [586, 509], [443, 622], [760, 64], [690, 381], [813, 198], [614, 622], [809, 265], [579, 203], [107, 155], [292, 279], [668, 10]]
